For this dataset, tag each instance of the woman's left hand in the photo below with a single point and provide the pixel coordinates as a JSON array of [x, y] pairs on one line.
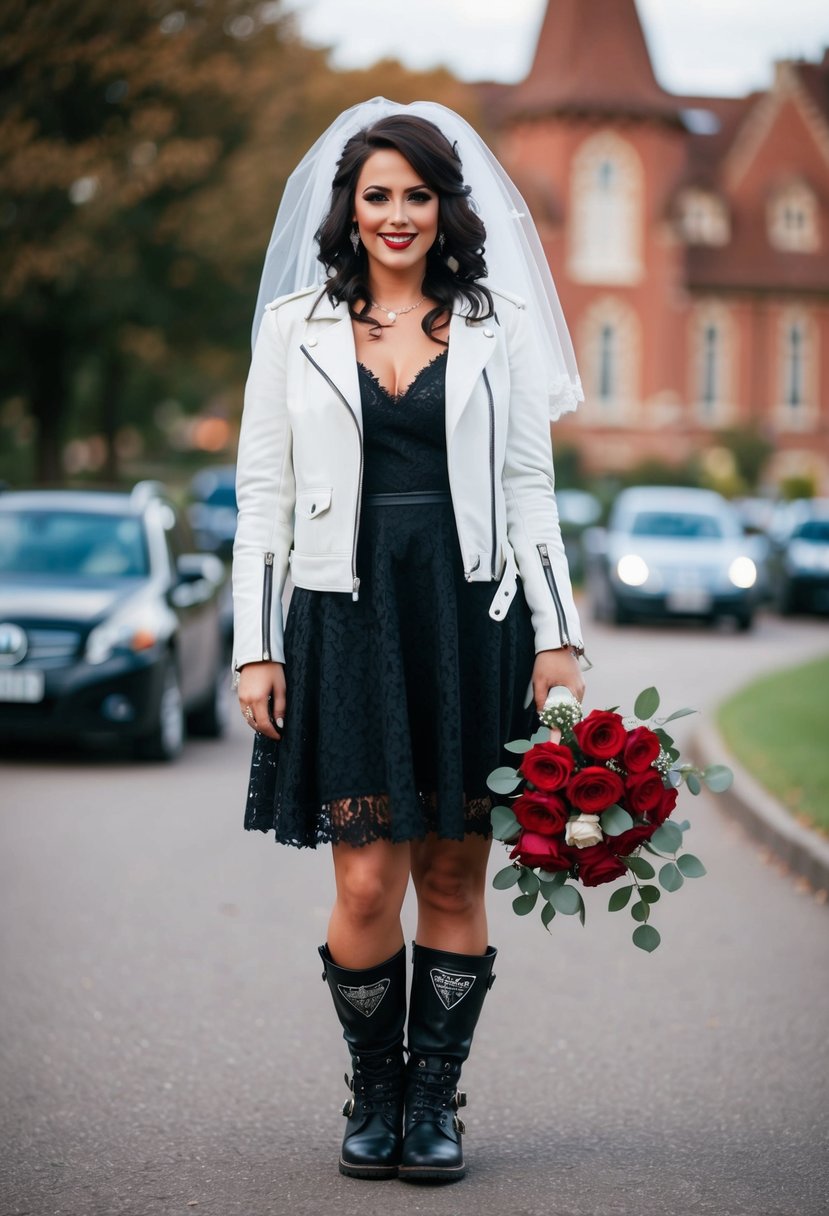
[[554, 667]]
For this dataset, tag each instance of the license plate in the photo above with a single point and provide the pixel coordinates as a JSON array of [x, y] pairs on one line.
[[689, 599], [22, 686]]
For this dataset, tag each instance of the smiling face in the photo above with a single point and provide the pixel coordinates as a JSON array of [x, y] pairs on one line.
[[396, 212]]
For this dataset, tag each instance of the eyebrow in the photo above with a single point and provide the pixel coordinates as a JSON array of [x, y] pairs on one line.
[[409, 189]]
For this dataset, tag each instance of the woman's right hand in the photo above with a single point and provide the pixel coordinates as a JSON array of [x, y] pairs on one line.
[[262, 697]]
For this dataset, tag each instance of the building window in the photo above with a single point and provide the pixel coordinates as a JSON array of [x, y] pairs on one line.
[[605, 227], [713, 360], [609, 353], [793, 219], [798, 370], [703, 218]]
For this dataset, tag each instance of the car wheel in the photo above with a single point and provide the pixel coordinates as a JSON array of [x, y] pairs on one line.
[[209, 720], [166, 740]]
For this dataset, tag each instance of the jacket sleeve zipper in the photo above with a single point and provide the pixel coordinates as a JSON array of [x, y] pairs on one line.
[[267, 600], [355, 582], [551, 583], [493, 556]]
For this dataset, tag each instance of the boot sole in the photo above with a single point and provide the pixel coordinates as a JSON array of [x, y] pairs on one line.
[[428, 1175], [376, 1172]]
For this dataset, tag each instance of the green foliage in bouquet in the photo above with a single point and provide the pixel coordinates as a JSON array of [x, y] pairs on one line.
[[586, 809]]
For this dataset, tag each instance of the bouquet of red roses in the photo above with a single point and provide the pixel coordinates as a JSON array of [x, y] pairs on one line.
[[591, 796]]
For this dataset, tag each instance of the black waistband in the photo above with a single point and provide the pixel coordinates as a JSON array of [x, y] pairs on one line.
[[403, 500]]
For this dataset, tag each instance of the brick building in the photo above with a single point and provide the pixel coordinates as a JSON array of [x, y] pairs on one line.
[[689, 239]]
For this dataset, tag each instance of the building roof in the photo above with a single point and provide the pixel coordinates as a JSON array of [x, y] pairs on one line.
[[591, 58]]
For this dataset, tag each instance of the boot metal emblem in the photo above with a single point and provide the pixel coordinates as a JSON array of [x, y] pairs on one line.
[[451, 986], [367, 997]]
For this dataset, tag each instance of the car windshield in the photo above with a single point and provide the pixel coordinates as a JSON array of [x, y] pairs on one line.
[[80, 544], [814, 530], [677, 525]]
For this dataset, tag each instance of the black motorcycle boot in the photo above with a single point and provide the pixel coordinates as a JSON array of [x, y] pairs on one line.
[[371, 1006], [448, 993]]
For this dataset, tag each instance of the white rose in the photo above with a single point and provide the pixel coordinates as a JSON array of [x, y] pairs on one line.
[[583, 830]]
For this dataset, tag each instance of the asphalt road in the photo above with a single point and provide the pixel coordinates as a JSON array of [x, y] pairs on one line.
[[167, 1046]]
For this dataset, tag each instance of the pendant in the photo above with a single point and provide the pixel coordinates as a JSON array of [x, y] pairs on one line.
[[392, 317]]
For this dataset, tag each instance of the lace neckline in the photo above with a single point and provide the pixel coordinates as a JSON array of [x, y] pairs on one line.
[[399, 396]]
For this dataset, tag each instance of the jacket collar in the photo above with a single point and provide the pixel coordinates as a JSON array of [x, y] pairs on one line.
[[471, 344]]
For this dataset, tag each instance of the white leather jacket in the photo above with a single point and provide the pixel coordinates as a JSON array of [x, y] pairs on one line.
[[300, 469]]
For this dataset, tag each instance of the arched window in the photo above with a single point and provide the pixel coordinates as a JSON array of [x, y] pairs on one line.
[[609, 355], [703, 218], [794, 391], [793, 218], [713, 359], [798, 370], [606, 211]]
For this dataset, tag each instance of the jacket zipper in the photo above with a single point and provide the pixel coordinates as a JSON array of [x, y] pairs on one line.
[[491, 469], [355, 582], [267, 598], [551, 583]]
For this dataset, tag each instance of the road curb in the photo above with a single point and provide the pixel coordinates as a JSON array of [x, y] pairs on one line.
[[770, 824]]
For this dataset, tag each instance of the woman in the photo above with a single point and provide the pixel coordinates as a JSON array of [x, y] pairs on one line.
[[395, 452]]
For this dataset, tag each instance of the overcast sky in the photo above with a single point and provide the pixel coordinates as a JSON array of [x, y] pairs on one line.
[[697, 46]]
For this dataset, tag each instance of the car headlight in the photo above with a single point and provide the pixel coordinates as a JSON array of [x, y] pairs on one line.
[[743, 573], [632, 570], [136, 628]]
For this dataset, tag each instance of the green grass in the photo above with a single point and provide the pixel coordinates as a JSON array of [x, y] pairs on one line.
[[778, 728]]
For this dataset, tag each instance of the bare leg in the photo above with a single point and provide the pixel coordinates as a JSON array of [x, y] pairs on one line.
[[450, 881], [365, 928]]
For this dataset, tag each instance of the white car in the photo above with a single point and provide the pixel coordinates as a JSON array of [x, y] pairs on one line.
[[671, 551]]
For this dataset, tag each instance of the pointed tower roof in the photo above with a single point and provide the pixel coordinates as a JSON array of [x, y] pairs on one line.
[[592, 58]]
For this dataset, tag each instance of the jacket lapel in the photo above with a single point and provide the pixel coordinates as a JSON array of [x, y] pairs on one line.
[[329, 340], [469, 352]]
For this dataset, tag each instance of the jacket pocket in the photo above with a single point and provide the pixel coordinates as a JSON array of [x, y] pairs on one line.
[[311, 503]]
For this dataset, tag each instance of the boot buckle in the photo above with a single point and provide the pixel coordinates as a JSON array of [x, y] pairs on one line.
[[459, 1099], [459, 1125], [348, 1107]]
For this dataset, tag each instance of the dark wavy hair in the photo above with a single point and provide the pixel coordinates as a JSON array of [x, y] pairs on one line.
[[436, 161]]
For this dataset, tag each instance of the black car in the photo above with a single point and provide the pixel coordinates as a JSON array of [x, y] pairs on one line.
[[800, 559], [109, 625]]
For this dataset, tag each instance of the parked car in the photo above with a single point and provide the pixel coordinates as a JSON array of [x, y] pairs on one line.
[[673, 552], [109, 624], [212, 511], [577, 511], [800, 558]]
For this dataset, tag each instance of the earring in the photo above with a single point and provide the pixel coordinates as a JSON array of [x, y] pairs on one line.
[[355, 238], [441, 241], [453, 264]]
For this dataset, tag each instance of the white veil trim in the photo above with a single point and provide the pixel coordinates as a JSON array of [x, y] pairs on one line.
[[515, 260]]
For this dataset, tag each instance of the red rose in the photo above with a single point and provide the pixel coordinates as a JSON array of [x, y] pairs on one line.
[[597, 865], [641, 750], [601, 735], [543, 813], [548, 766], [548, 852], [643, 792], [624, 844], [594, 789], [667, 802]]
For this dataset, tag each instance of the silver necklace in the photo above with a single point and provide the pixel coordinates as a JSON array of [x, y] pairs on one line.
[[393, 314]]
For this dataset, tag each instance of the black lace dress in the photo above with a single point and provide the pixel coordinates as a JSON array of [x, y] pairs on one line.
[[399, 703]]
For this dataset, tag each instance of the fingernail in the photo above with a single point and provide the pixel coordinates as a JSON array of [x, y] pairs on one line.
[[280, 722]]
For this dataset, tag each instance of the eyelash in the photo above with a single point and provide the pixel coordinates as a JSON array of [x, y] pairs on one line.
[[419, 196]]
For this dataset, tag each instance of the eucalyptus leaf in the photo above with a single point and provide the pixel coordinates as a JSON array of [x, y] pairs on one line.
[[518, 745], [684, 825], [664, 738], [504, 824], [523, 904], [718, 778], [639, 911], [582, 910], [646, 705], [547, 914], [646, 938], [693, 783], [674, 778], [640, 866], [566, 900], [542, 735], [650, 894], [503, 780], [678, 713], [619, 899], [556, 877], [506, 878], [690, 865], [670, 877], [615, 820], [528, 882], [667, 837]]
